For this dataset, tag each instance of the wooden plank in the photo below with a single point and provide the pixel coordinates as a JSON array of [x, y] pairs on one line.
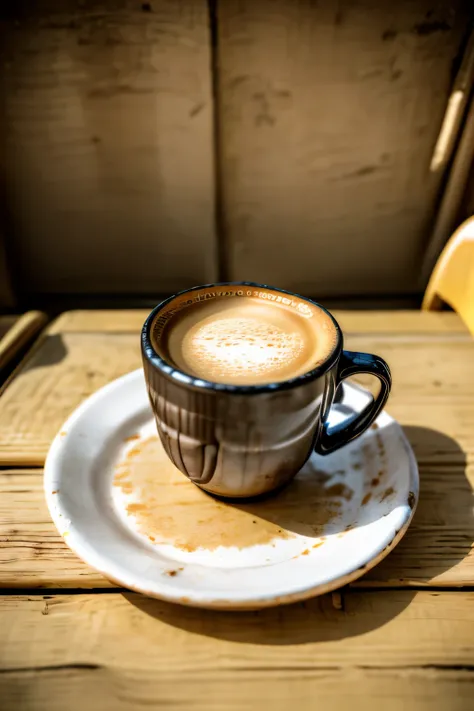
[[433, 390], [16, 332], [128, 689], [102, 321], [32, 553], [403, 650], [107, 145], [400, 322], [58, 376], [329, 114], [437, 550], [389, 322]]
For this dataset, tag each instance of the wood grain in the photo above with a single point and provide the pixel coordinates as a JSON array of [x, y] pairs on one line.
[[329, 113], [107, 145], [405, 650], [102, 321], [433, 388], [390, 322], [32, 553], [16, 332], [61, 372], [437, 550], [129, 689]]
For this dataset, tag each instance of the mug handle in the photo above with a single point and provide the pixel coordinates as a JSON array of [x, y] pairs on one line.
[[353, 363]]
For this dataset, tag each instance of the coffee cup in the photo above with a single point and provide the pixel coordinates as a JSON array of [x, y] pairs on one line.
[[241, 378]]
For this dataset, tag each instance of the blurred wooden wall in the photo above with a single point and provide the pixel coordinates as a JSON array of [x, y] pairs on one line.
[[107, 145], [147, 147]]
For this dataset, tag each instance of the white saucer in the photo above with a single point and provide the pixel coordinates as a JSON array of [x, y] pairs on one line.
[[126, 511]]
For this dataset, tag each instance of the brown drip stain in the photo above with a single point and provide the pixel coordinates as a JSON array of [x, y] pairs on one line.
[[132, 438], [340, 490], [127, 487], [305, 552], [120, 474], [134, 451], [55, 491], [168, 508], [380, 445], [388, 492], [317, 545], [374, 456]]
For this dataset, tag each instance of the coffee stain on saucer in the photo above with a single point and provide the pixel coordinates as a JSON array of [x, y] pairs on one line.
[[340, 490], [168, 508], [388, 492], [132, 438]]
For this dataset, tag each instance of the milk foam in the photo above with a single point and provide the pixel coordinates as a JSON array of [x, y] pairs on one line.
[[242, 340], [234, 347]]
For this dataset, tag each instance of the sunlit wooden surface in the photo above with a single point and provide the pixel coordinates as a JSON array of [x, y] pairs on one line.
[[401, 636]]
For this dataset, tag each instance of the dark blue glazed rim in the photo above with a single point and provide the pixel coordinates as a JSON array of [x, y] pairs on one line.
[[191, 381]]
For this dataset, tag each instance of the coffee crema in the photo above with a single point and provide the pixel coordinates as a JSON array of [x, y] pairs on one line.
[[246, 337]]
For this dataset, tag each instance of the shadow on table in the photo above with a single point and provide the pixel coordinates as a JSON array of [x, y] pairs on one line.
[[442, 531], [53, 350], [315, 620], [440, 537]]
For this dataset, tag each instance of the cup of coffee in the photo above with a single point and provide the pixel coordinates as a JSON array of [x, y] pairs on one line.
[[241, 378]]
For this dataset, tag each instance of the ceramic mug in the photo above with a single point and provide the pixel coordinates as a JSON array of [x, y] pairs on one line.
[[246, 440]]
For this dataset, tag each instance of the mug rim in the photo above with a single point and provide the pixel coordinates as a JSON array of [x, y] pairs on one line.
[[179, 376]]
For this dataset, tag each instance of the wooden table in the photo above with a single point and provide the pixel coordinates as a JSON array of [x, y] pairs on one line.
[[402, 636]]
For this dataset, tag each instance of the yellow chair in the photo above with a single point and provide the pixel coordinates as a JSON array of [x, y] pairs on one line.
[[452, 280]]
